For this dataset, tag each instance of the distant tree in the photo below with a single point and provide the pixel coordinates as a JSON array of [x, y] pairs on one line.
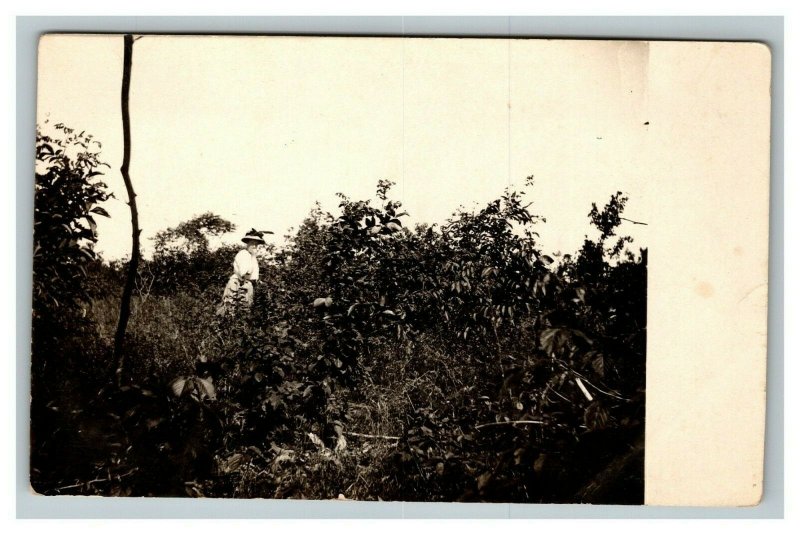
[[192, 236], [184, 261], [67, 198]]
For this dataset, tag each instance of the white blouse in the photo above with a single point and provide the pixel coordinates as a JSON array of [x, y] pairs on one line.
[[245, 266]]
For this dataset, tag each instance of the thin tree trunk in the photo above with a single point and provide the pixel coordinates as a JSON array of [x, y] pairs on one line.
[[125, 305]]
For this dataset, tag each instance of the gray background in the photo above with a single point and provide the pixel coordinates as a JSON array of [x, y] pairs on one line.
[[768, 30]]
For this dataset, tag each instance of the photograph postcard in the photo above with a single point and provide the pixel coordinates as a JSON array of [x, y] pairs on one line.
[[415, 269]]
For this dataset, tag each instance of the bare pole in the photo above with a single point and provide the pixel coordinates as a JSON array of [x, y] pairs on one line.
[[125, 304]]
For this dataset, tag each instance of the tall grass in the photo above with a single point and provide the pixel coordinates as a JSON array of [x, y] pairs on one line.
[[166, 335]]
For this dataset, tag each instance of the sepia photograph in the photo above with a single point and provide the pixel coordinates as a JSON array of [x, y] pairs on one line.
[[350, 268]]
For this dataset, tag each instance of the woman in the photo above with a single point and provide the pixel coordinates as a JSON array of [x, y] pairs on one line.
[[239, 290]]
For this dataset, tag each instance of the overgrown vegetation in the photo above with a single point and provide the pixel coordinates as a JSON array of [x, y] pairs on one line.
[[378, 362]]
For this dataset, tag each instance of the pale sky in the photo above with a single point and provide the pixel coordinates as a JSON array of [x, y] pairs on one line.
[[256, 129]]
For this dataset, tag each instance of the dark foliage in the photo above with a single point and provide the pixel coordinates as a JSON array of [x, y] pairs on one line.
[[452, 362]]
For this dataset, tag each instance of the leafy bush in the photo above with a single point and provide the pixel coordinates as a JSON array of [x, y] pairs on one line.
[[66, 200], [550, 354]]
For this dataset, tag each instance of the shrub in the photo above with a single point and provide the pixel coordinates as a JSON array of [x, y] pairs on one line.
[[67, 198]]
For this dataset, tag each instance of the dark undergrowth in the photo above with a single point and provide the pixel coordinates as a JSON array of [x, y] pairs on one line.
[[378, 362]]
